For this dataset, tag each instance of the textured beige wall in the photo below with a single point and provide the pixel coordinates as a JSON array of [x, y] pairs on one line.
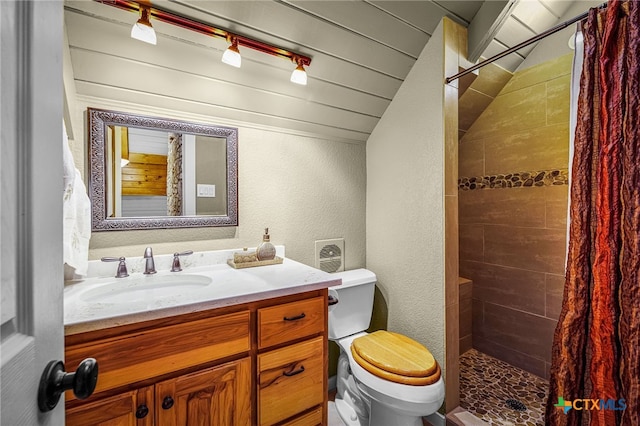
[[512, 240], [405, 207], [304, 188]]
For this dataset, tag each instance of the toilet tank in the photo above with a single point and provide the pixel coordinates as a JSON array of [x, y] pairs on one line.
[[352, 313]]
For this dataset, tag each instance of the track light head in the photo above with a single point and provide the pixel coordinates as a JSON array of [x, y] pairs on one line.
[[299, 75], [231, 56], [142, 30]]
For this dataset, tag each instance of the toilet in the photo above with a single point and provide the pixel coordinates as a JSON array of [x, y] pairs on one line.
[[383, 378]]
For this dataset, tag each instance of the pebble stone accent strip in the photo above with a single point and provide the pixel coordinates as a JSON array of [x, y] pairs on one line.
[[486, 383], [516, 180]]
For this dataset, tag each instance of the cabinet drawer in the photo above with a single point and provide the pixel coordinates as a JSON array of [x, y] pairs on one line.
[[312, 418], [146, 354], [290, 380], [290, 321]]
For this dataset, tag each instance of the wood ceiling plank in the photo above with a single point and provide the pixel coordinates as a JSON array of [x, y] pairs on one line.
[[379, 25], [171, 83], [424, 15], [265, 20]]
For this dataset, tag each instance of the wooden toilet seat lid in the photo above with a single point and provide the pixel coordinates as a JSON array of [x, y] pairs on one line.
[[396, 358]]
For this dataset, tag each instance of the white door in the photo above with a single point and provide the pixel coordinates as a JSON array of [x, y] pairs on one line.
[[30, 205]]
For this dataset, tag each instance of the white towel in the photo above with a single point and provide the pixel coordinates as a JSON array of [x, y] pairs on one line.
[[76, 224]]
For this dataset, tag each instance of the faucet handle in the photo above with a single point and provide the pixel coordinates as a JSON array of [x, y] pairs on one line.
[[122, 266], [175, 266]]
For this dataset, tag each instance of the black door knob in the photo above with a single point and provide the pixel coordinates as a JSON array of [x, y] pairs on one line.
[[142, 411], [54, 381], [167, 402]]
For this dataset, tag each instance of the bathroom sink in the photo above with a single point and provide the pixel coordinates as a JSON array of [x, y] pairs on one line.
[[139, 288]]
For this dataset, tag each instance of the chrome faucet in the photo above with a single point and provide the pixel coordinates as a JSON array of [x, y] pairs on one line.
[[149, 266]]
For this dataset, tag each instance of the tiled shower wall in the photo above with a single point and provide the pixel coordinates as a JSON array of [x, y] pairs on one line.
[[513, 165]]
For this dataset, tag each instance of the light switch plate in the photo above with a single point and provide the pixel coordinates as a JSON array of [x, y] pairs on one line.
[[206, 191]]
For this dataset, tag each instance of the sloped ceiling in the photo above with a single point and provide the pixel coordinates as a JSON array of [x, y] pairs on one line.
[[361, 52]]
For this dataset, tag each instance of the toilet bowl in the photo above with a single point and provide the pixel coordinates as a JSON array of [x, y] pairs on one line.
[[365, 395]]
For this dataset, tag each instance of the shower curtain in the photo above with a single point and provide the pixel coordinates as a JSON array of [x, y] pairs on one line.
[[595, 370]]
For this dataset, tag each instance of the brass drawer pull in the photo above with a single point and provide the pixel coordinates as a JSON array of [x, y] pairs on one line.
[[294, 372], [297, 317]]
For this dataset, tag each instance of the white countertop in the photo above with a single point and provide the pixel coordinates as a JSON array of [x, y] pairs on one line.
[[225, 286]]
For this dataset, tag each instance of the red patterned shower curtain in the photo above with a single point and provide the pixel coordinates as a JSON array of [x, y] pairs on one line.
[[595, 370]]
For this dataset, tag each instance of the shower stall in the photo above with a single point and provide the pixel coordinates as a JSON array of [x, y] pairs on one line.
[[513, 192]]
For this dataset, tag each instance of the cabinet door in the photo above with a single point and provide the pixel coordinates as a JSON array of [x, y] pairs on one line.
[[134, 408], [291, 380], [218, 396]]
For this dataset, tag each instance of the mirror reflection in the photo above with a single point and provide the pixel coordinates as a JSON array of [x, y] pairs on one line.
[[159, 173]]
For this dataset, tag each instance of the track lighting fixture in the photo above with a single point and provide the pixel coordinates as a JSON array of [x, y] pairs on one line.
[[299, 75], [232, 56], [142, 30]]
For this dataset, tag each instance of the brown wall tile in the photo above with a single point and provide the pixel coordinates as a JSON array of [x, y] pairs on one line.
[[466, 343], [452, 261], [534, 249], [558, 99], [451, 140], [472, 104], [471, 239], [466, 289], [556, 202], [524, 207], [491, 80], [513, 288], [466, 316], [452, 373], [512, 113], [540, 74], [543, 147], [554, 291], [526, 333], [477, 312], [470, 158]]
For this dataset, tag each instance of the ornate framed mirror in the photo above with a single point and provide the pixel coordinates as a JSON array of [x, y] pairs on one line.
[[154, 173]]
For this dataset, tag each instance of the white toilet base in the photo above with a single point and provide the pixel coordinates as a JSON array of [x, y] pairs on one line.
[[347, 413], [383, 416]]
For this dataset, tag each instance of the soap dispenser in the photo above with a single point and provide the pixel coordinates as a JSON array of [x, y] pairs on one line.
[[266, 250]]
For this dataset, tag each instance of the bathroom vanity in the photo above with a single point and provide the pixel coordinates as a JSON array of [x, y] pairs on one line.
[[233, 354]]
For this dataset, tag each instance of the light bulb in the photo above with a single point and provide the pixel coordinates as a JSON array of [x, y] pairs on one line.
[[299, 75], [142, 30], [231, 56]]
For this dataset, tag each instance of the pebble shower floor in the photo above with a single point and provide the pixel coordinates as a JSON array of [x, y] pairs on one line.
[[499, 393]]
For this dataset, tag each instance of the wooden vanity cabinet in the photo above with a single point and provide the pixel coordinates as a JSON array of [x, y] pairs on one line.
[[133, 408], [257, 363], [214, 396]]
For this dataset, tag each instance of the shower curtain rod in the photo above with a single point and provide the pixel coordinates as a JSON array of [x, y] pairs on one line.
[[525, 43]]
